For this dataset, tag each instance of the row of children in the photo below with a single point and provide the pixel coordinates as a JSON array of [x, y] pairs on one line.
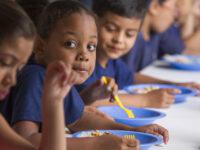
[[83, 48], [67, 40]]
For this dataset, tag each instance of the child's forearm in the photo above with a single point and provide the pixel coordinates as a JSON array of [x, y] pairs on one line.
[[90, 121], [144, 79], [81, 144], [53, 125], [138, 100]]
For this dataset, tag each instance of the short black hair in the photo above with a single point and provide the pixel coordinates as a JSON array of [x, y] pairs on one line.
[[56, 11], [161, 1], [33, 8], [125, 8], [14, 22]]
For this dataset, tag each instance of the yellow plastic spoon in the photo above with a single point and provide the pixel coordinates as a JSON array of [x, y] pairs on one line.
[[119, 103]]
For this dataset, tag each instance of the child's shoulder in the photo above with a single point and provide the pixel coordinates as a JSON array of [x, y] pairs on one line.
[[118, 63], [33, 69], [31, 72]]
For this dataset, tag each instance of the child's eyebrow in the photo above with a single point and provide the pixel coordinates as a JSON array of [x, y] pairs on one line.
[[78, 34], [112, 23], [71, 33]]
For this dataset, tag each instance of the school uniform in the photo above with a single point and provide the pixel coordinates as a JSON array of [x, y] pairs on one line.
[[171, 42], [116, 69], [24, 101], [144, 52]]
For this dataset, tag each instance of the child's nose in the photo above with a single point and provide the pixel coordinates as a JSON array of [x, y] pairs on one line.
[[118, 38], [10, 78], [82, 57]]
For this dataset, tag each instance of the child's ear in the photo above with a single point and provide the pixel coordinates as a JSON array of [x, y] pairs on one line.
[[39, 48], [153, 8]]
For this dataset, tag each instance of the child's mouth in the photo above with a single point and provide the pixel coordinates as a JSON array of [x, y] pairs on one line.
[[80, 69], [113, 48]]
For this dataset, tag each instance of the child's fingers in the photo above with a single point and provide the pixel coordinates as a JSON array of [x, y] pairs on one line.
[[172, 91], [115, 89], [111, 84], [55, 71], [131, 142], [169, 99], [160, 131]]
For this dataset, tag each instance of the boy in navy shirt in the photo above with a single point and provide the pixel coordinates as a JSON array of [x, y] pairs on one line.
[[118, 30], [158, 37], [116, 37], [144, 52], [67, 33]]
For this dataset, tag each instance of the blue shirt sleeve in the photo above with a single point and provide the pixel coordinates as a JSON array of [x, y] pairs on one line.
[[123, 76], [171, 42], [25, 98]]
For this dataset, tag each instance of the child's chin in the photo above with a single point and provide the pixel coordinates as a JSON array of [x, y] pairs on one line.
[[81, 81]]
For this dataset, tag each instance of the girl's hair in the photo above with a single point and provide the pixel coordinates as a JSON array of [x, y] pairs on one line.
[[14, 22], [125, 8], [161, 1], [33, 8], [56, 11]]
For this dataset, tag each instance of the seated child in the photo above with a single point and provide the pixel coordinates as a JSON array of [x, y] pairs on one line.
[[188, 21], [151, 45], [17, 34], [117, 33], [67, 32]]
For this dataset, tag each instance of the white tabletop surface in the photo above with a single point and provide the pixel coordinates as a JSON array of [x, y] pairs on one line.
[[182, 120]]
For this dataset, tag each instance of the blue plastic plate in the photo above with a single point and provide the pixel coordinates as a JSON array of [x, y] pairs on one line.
[[142, 116], [146, 140], [193, 65], [185, 92]]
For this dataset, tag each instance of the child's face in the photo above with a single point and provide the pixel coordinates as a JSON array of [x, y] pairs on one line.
[[116, 34], [163, 15], [74, 40], [13, 56], [196, 8], [183, 7]]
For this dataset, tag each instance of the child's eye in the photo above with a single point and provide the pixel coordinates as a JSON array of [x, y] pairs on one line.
[[71, 44], [130, 35], [91, 47], [5, 63], [110, 28]]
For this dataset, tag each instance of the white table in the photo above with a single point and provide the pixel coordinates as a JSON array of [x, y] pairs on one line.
[[182, 120]]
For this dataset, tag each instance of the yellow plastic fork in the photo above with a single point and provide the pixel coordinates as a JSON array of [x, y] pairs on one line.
[[129, 136], [119, 103]]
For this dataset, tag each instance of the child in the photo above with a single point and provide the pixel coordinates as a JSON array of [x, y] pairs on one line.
[[117, 33], [189, 24], [151, 45], [67, 33], [17, 34], [159, 17]]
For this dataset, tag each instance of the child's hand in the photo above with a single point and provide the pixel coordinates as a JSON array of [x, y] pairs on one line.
[[154, 129], [58, 81], [94, 110], [99, 90], [191, 85], [108, 142], [161, 98]]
